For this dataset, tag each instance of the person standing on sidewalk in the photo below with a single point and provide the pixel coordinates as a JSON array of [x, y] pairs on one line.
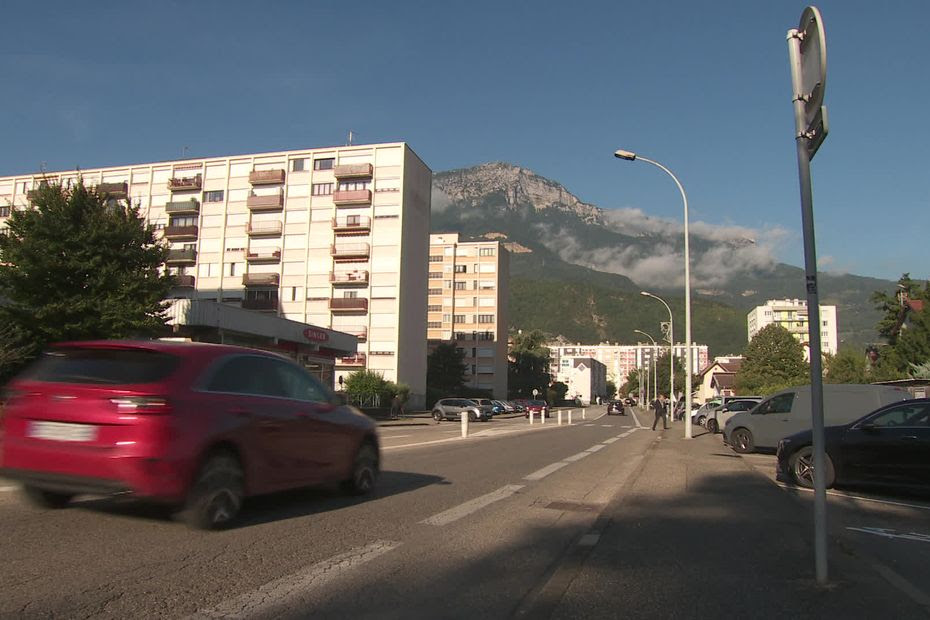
[[660, 407], [396, 407]]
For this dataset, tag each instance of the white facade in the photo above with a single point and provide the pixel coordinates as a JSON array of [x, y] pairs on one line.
[[585, 377], [467, 305], [620, 359], [792, 315], [335, 237]]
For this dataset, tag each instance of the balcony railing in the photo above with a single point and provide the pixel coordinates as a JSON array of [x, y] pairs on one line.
[[260, 304], [352, 171], [348, 304], [348, 277], [113, 190], [266, 177], [352, 224], [178, 184], [270, 202], [359, 331], [353, 360], [263, 255], [177, 233], [260, 279], [185, 280], [183, 207], [185, 255], [264, 229], [345, 198], [349, 250]]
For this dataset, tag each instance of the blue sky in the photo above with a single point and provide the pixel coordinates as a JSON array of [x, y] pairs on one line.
[[702, 87]]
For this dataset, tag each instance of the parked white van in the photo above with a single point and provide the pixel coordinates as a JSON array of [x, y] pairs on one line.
[[789, 411]]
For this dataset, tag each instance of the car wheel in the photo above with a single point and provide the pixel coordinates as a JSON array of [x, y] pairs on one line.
[[741, 440], [711, 425], [216, 496], [700, 420], [46, 499], [437, 415], [364, 471], [801, 465], [472, 417]]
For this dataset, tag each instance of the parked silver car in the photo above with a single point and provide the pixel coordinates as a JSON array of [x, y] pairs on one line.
[[717, 418], [452, 408]]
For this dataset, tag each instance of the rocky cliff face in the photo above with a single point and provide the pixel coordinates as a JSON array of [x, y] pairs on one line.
[[514, 187]]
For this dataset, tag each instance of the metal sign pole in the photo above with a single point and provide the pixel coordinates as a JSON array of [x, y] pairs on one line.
[[802, 78]]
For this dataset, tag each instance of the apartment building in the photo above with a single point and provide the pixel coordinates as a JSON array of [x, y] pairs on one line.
[[621, 359], [585, 377], [467, 305], [792, 315], [335, 237]]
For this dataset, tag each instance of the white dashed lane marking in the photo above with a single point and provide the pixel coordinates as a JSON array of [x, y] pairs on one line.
[[463, 510]]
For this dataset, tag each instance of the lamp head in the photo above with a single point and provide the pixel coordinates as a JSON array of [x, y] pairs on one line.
[[627, 155]]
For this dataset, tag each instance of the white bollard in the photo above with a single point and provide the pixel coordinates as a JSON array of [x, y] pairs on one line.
[[531, 416], [560, 417], [584, 414], [542, 416], [464, 424], [570, 417]]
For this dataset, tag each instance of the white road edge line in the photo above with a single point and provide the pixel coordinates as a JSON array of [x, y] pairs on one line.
[[596, 448], [545, 471], [463, 510], [577, 457], [607, 442], [635, 419], [263, 600]]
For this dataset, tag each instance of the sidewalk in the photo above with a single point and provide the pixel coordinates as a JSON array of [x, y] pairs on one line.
[[696, 533]]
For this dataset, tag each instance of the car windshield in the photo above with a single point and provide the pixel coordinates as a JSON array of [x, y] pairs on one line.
[[102, 366]]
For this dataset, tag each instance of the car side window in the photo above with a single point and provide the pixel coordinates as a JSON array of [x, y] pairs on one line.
[[777, 404], [903, 415], [245, 374], [297, 384]]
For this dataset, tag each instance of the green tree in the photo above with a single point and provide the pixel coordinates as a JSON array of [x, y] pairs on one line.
[[611, 390], [556, 392], [773, 360], [662, 372], [631, 386], [14, 351], [445, 368], [368, 388], [79, 265], [904, 326], [847, 366], [528, 368]]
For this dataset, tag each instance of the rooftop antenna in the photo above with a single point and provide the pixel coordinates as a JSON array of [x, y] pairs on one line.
[[351, 135], [184, 151]]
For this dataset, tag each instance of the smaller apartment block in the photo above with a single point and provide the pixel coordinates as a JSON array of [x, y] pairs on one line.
[[467, 305], [792, 315], [585, 377], [621, 359]]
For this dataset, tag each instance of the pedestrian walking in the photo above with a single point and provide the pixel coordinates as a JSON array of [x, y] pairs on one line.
[[660, 407], [395, 407]]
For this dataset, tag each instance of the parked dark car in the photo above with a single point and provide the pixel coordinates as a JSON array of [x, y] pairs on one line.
[[537, 407], [888, 447], [196, 425], [616, 407]]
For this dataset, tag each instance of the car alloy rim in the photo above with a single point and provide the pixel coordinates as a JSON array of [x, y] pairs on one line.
[[222, 506], [804, 468], [741, 440], [363, 478]]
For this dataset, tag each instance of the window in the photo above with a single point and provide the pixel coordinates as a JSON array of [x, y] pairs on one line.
[[5, 212], [778, 404], [485, 318], [350, 294], [214, 196], [461, 268], [261, 295], [434, 308], [908, 415], [434, 324], [324, 164], [298, 165], [435, 275], [486, 252], [435, 291], [485, 336], [187, 220], [354, 185], [321, 189], [232, 269], [460, 286], [435, 259], [458, 318], [446, 318]]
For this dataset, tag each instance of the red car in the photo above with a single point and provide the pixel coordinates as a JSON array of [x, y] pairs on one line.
[[537, 407], [196, 425]]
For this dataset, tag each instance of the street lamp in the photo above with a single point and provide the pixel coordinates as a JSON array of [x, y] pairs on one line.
[[630, 156], [671, 345], [655, 371]]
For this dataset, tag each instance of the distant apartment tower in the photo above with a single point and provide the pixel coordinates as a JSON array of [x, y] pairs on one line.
[[621, 359], [585, 377], [336, 237], [792, 315], [467, 305]]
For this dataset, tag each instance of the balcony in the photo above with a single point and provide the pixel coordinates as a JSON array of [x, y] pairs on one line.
[[183, 207], [264, 305], [260, 279], [180, 233], [264, 229], [355, 197], [113, 190], [359, 331], [349, 251], [270, 202], [266, 177], [263, 255], [353, 171], [186, 256], [185, 281], [348, 304], [357, 360], [180, 184], [353, 224], [348, 277]]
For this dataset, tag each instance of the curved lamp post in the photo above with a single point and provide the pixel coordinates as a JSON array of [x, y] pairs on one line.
[[630, 156], [655, 372], [671, 344]]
